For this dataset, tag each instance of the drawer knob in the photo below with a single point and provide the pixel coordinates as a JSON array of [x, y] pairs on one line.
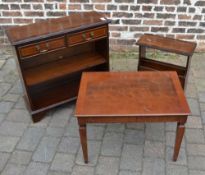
[[92, 34], [44, 50], [84, 36], [37, 47]]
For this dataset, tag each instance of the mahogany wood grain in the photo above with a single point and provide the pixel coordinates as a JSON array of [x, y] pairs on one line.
[[51, 61], [126, 97], [54, 27], [141, 93], [83, 139], [62, 67], [179, 135], [86, 36], [165, 44], [42, 47]]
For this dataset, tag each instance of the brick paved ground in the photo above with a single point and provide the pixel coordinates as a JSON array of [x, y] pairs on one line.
[[51, 147]]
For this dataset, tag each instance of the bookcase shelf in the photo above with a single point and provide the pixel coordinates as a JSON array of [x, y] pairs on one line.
[[63, 67]]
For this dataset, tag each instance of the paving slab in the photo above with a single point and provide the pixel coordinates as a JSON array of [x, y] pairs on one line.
[[108, 166], [36, 168], [112, 144], [131, 157], [20, 157], [31, 138], [153, 166], [46, 149], [8, 143], [63, 162], [13, 169]]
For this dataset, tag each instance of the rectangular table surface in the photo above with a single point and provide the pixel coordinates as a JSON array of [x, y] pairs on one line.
[[131, 94], [167, 44]]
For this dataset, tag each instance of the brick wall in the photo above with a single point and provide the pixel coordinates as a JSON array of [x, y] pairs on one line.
[[182, 19]]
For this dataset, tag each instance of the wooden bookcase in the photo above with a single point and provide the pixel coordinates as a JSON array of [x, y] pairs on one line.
[[52, 54], [180, 47]]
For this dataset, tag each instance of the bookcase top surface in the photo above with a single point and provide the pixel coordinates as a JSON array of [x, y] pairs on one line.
[[55, 26]]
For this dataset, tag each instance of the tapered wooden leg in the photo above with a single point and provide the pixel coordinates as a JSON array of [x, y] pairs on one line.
[[178, 140], [83, 139]]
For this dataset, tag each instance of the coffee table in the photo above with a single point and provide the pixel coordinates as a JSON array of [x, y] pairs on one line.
[[125, 97]]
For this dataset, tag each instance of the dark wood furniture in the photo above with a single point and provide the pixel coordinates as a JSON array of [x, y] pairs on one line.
[[169, 45], [116, 97], [52, 54]]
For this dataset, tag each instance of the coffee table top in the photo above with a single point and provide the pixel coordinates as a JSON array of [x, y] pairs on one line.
[[131, 94]]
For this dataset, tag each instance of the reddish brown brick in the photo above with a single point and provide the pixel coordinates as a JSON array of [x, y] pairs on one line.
[[25, 6], [33, 13], [56, 13], [111, 7], [5, 20], [11, 13], [187, 23], [77, 1], [135, 8], [22, 20], [11, 0], [201, 37], [184, 16], [194, 30], [188, 37], [197, 17], [169, 23], [152, 22], [178, 30], [165, 15], [170, 2], [118, 28], [124, 7], [126, 41], [148, 1], [88, 6], [14, 7], [146, 8], [115, 34], [100, 7], [131, 21], [74, 7], [33, 1], [4, 6], [158, 8], [181, 9], [122, 14], [159, 29], [62, 6], [49, 6], [101, 1], [143, 29], [170, 9], [37, 6], [124, 1], [200, 3], [202, 24]]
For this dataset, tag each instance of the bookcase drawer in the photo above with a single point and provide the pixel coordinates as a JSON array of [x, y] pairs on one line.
[[86, 36], [41, 47]]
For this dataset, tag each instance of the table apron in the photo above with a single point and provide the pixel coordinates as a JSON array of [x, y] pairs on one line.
[[130, 119]]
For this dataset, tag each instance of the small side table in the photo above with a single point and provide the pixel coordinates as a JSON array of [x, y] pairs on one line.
[[169, 45]]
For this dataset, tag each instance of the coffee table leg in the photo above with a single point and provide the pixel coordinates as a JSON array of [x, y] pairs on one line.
[[178, 140], [83, 139]]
